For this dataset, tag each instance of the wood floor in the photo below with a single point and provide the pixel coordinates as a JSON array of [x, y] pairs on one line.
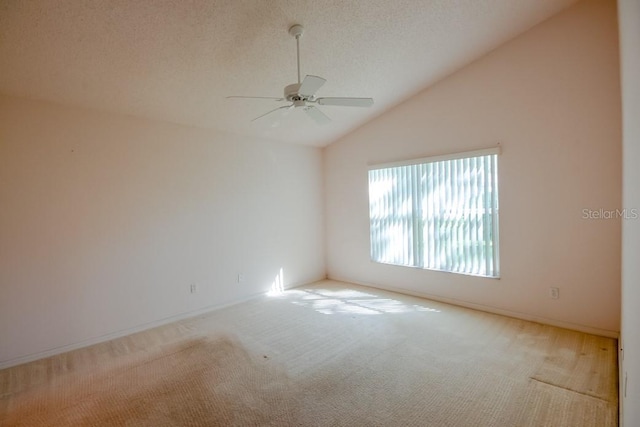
[[326, 354]]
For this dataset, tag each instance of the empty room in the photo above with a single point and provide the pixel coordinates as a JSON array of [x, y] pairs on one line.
[[320, 213]]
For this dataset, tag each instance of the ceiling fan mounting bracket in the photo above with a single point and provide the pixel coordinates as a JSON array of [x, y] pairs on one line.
[[296, 30]]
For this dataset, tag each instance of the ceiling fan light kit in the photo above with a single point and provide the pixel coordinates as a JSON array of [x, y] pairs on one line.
[[302, 94]]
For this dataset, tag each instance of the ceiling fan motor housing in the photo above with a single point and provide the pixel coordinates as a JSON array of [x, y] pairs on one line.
[[291, 93]]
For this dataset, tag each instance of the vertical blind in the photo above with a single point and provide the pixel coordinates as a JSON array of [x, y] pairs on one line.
[[440, 214]]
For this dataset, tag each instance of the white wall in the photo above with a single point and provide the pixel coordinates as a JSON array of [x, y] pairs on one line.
[[106, 220], [629, 14], [552, 98]]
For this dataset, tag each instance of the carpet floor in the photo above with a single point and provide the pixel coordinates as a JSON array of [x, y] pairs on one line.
[[326, 354]]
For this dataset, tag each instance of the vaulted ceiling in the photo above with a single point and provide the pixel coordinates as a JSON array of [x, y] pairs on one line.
[[178, 60]]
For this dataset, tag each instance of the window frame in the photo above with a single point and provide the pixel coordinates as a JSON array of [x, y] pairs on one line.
[[419, 235]]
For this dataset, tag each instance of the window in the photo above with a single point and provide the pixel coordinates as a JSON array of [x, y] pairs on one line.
[[437, 213]]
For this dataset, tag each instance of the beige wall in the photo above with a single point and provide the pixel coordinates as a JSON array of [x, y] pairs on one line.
[[106, 220], [551, 97], [629, 13]]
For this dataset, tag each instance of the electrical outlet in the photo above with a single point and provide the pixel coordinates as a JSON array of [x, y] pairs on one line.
[[554, 293], [193, 288]]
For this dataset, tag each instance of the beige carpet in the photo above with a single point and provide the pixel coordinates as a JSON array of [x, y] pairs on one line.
[[328, 354]]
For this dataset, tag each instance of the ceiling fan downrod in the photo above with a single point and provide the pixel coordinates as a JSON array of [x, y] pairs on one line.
[[296, 31]]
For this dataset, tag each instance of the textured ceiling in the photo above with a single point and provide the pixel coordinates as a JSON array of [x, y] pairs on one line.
[[178, 60]]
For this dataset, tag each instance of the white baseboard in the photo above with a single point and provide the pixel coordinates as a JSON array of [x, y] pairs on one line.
[[480, 307], [129, 331]]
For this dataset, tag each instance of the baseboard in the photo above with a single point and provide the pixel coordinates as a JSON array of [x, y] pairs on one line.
[[129, 331], [480, 307]]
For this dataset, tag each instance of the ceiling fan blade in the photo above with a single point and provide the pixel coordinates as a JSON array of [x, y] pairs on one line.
[[280, 109], [257, 97], [318, 116], [310, 85], [346, 102]]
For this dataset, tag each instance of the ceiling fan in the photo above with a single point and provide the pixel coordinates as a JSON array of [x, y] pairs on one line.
[[303, 94]]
